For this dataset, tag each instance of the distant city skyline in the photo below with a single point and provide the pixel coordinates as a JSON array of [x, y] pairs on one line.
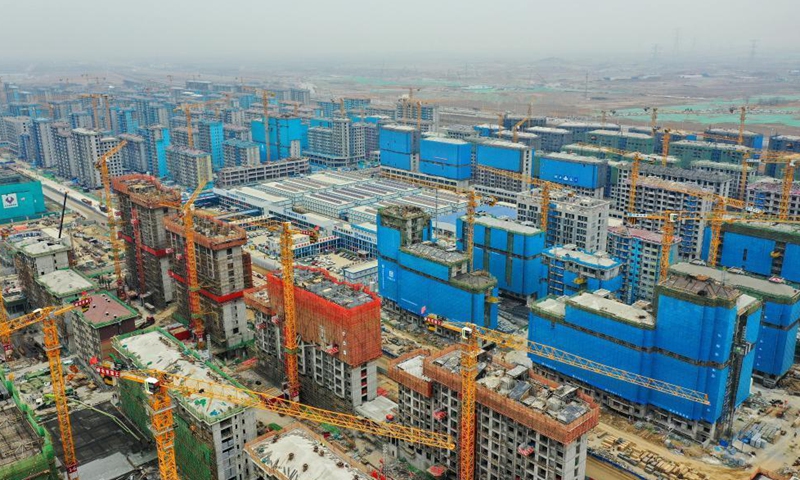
[[94, 30]]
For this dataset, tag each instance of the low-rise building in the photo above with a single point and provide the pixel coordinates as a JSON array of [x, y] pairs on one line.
[[105, 318]]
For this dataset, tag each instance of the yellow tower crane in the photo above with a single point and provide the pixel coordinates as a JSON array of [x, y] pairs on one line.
[[470, 334], [102, 165], [95, 116], [546, 189], [158, 385], [789, 162], [190, 251], [290, 347], [187, 108], [47, 317]]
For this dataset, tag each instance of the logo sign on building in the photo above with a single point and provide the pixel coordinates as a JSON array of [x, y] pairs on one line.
[[107, 372], [10, 200]]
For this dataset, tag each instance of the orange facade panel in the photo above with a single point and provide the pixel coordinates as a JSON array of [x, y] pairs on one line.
[[415, 383], [352, 335], [533, 419]]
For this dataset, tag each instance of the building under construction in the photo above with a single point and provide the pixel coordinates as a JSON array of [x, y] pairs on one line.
[[26, 451], [224, 271], [142, 203], [340, 337], [527, 426]]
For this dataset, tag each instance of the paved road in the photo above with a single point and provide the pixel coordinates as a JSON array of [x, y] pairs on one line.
[[55, 191]]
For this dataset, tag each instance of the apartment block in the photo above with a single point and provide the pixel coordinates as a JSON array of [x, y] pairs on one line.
[[39, 255], [90, 146], [766, 193], [339, 331], [142, 202], [224, 271], [639, 251], [510, 251], [417, 276], [44, 145], [586, 176], [156, 140], [784, 143], [445, 157], [731, 135], [134, 153], [777, 334], [551, 139], [527, 426], [427, 116], [692, 150], [105, 318], [188, 167], [700, 336], [629, 141], [512, 157], [714, 181], [654, 195], [568, 270], [64, 146], [735, 172], [580, 130], [208, 137], [330, 145], [13, 132], [210, 434], [572, 219], [60, 287], [238, 153]]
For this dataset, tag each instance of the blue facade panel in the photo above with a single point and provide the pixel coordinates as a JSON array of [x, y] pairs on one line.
[[461, 172], [499, 157], [21, 200], [392, 159], [446, 152], [574, 174], [749, 253], [774, 352], [397, 141], [791, 259]]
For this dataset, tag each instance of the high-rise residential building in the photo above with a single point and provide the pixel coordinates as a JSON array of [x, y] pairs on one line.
[[699, 335], [691, 150], [587, 176], [64, 148], [629, 141], [237, 132], [735, 172], [81, 120], [157, 139], [551, 139], [580, 130], [572, 219], [731, 136], [514, 158], [142, 201], [766, 193], [697, 179], [12, 131], [654, 196], [514, 438], [302, 95], [330, 145], [567, 270], [339, 332], [44, 144], [134, 153], [224, 271], [422, 114], [90, 146], [210, 434], [208, 137], [639, 251], [238, 153], [188, 167]]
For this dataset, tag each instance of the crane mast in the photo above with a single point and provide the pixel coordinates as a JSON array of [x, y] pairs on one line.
[[112, 221]]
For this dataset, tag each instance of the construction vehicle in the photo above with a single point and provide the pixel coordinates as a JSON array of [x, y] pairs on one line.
[[192, 283], [47, 317], [157, 385], [470, 334], [102, 165]]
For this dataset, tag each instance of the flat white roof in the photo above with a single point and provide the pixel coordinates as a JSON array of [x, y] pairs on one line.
[[620, 310], [511, 225], [64, 282], [271, 454], [585, 258], [156, 351], [747, 282]]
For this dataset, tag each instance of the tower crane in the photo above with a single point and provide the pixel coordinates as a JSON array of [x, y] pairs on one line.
[[790, 162], [470, 334], [192, 283], [102, 165], [47, 317], [157, 385], [187, 108], [546, 187], [515, 128]]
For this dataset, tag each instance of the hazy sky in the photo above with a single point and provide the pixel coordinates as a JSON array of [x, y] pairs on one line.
[[266, 29]]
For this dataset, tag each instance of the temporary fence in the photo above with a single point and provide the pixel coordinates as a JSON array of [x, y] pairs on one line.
[[353, 335]]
